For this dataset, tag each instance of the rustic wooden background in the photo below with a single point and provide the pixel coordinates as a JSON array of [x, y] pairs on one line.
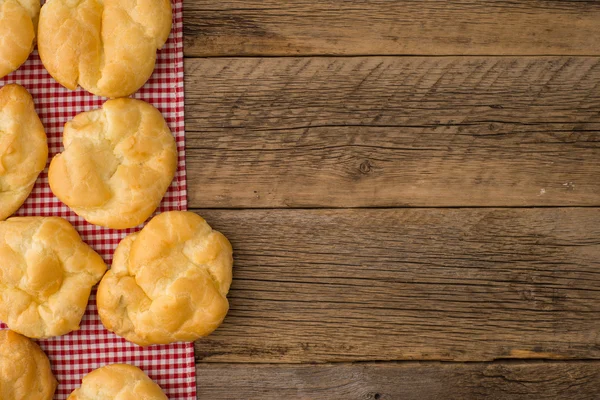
[[412, 190]]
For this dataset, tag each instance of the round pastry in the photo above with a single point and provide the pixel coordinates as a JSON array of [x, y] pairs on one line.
[[24, 369], [108, 47], [117, 164], [18, 23], [23, 147], [168, 282], [46, 275], [117, 381]]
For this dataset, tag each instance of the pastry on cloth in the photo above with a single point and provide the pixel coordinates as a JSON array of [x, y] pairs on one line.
[[117, 381], [107, 47], [18, 24], [46, 275], [168, 282], [25, 372], [23, 147], [117, 164]]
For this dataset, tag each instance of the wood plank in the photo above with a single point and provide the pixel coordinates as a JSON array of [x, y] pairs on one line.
[[409, 284], [406, 381], [383, 27], [393, 131]]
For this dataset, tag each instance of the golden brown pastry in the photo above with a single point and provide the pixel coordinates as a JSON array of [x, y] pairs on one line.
[[18, 24], [46, 276], [117, 381], [23, 147], [168, 282], [25, 372], [108, 47], [117, 164]]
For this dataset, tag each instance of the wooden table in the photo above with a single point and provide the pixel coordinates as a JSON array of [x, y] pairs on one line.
[[411, 189]]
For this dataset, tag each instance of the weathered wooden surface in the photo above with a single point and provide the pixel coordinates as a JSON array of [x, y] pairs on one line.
[[514, 124], [409, 284], [391, 27], [406, 381], [393, 131]]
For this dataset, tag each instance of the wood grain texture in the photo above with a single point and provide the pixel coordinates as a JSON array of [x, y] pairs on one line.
[[409, 284], [393, 131], [391, 27], [406, 381]]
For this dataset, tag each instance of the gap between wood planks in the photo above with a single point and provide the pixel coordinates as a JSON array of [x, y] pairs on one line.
[[497, 361], [341, 56]]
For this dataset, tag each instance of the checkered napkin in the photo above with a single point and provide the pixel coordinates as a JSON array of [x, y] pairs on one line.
[[74, 355]]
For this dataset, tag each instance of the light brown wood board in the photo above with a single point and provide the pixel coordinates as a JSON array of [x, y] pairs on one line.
[[407, 381], [393, 132], [409, 284], [391, 27]]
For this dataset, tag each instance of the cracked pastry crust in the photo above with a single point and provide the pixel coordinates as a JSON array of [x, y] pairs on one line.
[[117, 164], [18, 24], [117, 381], [168, 282], [23, 147], [108, 47], [46, 275], [24, 369]]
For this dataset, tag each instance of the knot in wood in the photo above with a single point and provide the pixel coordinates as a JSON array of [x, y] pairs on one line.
[[365, 167]]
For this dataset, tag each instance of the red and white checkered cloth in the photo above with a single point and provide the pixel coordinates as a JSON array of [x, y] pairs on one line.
[[74, 355]]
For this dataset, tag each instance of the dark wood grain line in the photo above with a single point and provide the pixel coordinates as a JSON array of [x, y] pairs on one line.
[[406, 381], [393, 132], [409, 284], [383, 27]]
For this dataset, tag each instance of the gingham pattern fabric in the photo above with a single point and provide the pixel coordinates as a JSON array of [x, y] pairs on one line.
[[74, 355]]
